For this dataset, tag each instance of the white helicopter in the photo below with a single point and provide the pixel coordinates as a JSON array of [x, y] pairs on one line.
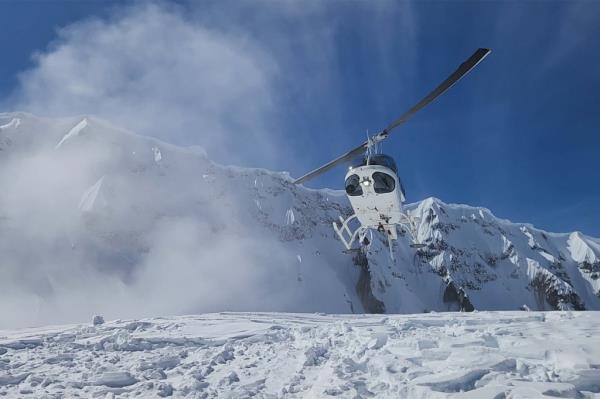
[[372, 184]]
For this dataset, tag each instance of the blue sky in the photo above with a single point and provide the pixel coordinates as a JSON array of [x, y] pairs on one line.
[[519, 135]]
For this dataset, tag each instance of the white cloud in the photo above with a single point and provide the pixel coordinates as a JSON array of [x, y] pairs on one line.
[[155, 70], [154, 238], [151, 69]]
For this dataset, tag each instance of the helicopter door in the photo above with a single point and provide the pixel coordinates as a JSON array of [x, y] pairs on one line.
[[388, 204]]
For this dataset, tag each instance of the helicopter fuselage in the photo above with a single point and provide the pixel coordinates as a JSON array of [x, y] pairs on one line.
[[376, 196]]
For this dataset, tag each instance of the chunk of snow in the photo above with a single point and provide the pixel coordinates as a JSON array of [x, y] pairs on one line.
[[115, 379], [165, 390], [13, 379], [574, 358], [225, 355], [378, 341], [155, 375], [157, 154], [160, 363], [426, 344], [315, 355], [230, 378], [75, 131]]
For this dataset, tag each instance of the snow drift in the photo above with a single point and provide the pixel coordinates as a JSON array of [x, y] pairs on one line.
[[98, 220]]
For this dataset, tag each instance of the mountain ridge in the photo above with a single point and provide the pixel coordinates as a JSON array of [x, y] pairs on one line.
[[116, 217]]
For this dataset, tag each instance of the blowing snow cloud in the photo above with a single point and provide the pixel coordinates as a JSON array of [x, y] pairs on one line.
[[151, 69]]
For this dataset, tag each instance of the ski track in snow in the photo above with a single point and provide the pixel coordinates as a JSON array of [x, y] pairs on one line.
[[277, 355]]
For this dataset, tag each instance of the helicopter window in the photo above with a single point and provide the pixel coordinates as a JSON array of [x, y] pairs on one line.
[[378, 159], [353, 187], [385, 160], [383, 183]]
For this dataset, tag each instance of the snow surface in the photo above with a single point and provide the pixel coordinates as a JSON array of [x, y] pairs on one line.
[[275, 355]]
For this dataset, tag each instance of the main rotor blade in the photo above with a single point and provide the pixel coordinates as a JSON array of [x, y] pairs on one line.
[[344, 158], [462, 70]]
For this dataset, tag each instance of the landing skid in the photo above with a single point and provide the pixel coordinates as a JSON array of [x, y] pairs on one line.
[[348, 237], [344, 231]]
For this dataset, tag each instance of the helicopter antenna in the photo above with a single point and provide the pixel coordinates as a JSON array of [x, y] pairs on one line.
[[461, 71], [369, 148]]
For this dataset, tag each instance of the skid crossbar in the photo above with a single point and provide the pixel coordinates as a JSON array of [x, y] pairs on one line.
[[344, 230]]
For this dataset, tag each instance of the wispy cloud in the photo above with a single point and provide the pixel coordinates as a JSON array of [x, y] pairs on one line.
[[153, 70]]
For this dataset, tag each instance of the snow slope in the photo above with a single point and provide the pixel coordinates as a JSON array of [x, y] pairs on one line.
[[274, 355], [128, 227]]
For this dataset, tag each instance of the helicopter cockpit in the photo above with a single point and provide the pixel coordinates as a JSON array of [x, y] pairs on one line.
[[382, 182]]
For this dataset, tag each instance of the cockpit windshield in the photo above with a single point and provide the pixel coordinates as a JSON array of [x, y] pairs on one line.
[[383, 183], [353, 187]]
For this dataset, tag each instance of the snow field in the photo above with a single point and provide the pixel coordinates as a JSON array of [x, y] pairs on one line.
[[276, 355]]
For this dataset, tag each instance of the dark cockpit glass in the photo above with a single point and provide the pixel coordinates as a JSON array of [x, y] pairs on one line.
[[353, 187], [379, 159], [383, 183]]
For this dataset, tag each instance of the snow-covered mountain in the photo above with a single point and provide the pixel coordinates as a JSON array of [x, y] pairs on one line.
[[96, 219]]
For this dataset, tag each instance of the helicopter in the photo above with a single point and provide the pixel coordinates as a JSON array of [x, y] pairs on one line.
[[372, 183]]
